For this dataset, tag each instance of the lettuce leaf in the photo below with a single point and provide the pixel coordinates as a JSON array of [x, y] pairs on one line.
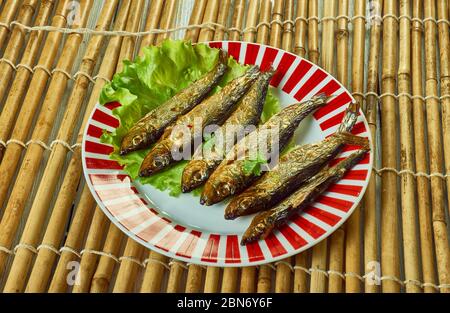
[[148, 82]]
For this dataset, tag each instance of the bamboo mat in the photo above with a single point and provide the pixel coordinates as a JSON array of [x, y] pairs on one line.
[[394, 56]]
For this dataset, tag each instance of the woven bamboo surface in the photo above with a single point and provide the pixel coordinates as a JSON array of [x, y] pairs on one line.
[[394, 56]]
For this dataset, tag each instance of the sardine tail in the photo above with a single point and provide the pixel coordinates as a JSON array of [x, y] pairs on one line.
[[350, 117], [351, 139]]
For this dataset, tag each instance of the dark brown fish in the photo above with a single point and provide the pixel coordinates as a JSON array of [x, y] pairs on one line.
[[150, 128], [293, 169], [248, 112], [264, 223], [230, 177], [189, 127]]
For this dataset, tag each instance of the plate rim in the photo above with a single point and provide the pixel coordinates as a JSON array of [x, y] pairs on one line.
[[221, 261]]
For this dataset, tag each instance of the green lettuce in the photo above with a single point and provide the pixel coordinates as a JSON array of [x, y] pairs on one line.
[[148, 82]]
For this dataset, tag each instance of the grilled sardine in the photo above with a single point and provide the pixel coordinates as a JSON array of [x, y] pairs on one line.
[[148, 129], [293, 169], [214, 110], [248, 112], [230, 177], [263, 223]]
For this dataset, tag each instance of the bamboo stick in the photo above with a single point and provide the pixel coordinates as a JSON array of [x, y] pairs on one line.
[[16, 91], [389, 218], [211, 11], [313, 31], [444, 53], [335, 282], [25, 177], [264, 279], [248, 279], [9, 11], [196, 18], [129, 269], [230, 275], [194, 279], [277, 23], [175, 276], [230, 279], [54, 232], [251, 20], [36, 218], [126, 52], [195, 272], [248, 273], [319, 253], [284, 269], [167, 20], [114, 238], [102, 276], [154, 273], [212, 279], [32, 100], [423, 185], [263, 31], [283, 277], [353, 227], [301, 28], [238, 20], [93, 243], [222, 19], [435, 146], [410, 248], [370, 197], [17, 40], [288, 28], [42, 269], [300, 275], [301, 260], [153, 19]]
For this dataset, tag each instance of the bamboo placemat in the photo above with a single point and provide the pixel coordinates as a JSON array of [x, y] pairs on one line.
[[394, 56]]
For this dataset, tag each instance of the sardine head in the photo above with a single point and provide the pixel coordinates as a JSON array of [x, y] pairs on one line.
[[155, 161], [133, 141], [259, 228], [239, 206], [194, 175], [214, 193]]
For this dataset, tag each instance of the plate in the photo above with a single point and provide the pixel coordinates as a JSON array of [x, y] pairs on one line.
[[181, 228]]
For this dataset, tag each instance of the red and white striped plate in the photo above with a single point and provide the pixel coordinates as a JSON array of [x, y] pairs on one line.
[[183, 229]]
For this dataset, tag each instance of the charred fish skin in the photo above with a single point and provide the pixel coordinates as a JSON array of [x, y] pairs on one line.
[[148, 129], [213, 110], [264, 223], [293, 169], [230, 177], [248, 112]]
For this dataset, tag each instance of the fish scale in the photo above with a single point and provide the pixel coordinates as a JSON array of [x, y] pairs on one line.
[[148, 129], [248, 112], [213, 110], [230, 177], [263, 223], [295, 168]]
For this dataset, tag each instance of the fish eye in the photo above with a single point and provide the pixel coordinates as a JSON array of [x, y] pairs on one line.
[[245, 202], [198, 175], [159, 162], [224, 189], [136, 140]]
